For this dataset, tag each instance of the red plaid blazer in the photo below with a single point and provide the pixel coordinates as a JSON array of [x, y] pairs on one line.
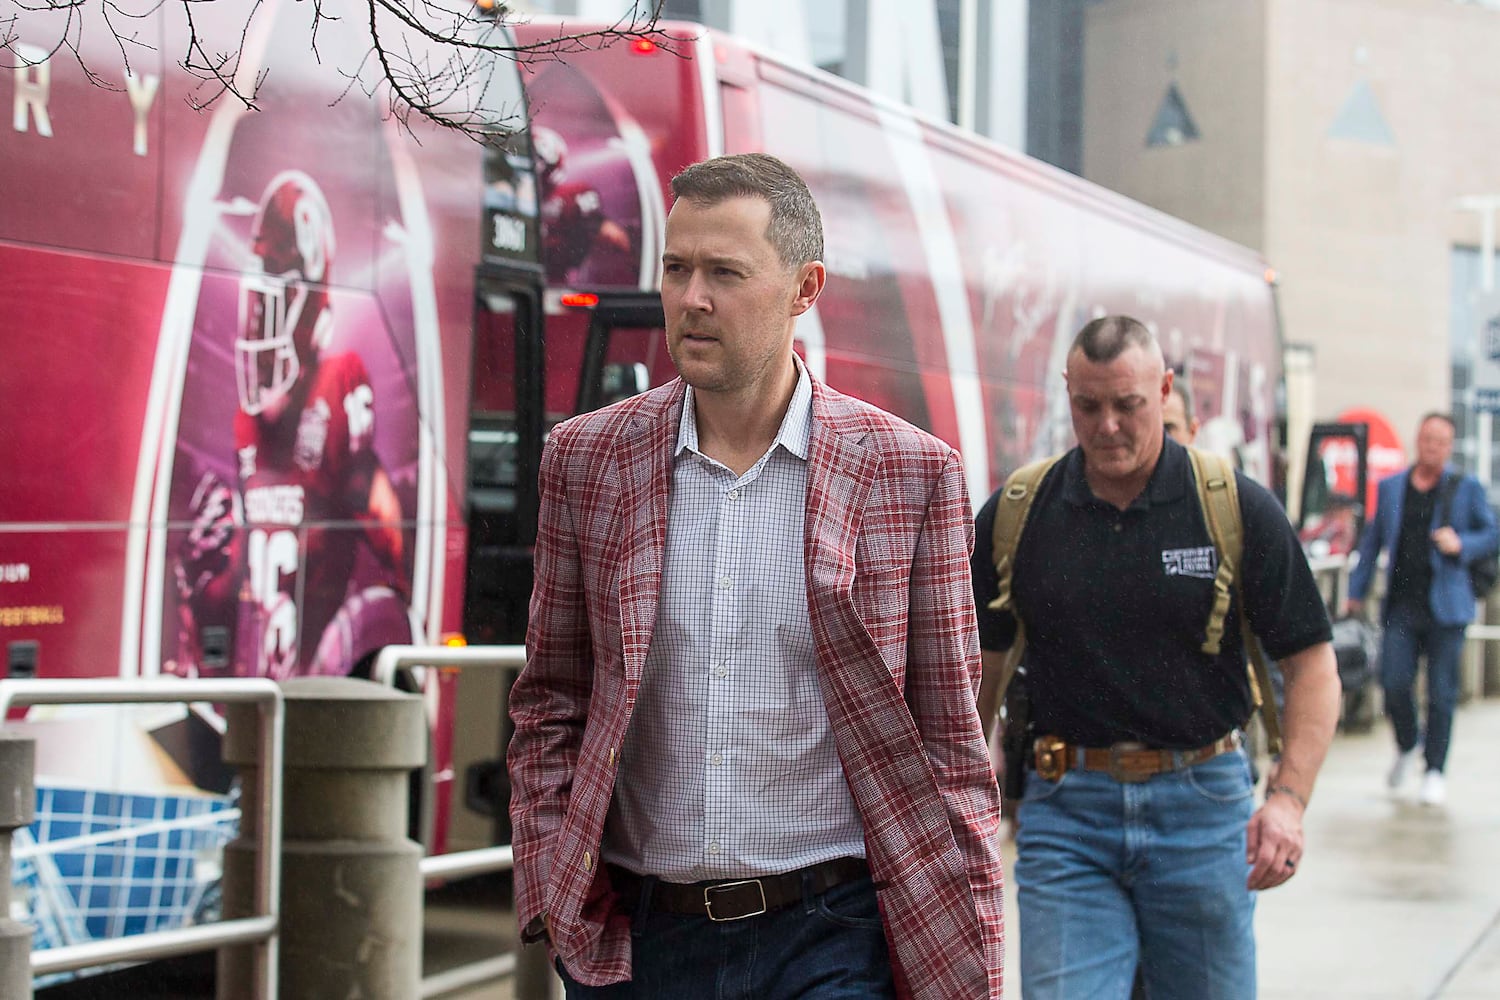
[[887, 545]]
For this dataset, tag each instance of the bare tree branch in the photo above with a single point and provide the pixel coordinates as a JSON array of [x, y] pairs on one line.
[[427, 59]]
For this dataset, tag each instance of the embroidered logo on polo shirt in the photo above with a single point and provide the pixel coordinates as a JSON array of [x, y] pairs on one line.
[[1201, 562]]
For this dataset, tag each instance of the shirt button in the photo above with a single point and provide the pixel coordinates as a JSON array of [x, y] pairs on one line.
[[611, 756], [588, 861], [725, 583], [713, 847], [734, 494], [1119, 526], [716, 759], [721, 671]]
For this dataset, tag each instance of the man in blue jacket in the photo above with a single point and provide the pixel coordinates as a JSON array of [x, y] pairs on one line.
[[1432, 522]]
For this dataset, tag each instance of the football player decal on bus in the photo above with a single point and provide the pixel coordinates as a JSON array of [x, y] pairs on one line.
[[311, 490], [579, 242]]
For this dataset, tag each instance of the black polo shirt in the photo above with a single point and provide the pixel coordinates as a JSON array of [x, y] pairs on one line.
[[1115, 603]]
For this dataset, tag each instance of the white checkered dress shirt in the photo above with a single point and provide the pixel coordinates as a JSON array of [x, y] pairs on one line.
[[728, 769]]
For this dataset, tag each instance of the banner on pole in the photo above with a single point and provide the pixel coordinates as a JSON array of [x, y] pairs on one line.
[[1487, 362]]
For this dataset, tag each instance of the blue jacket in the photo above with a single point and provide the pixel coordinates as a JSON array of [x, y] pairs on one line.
[[1451, 600]]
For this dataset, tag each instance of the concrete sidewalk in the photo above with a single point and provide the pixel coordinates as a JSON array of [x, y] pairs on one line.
[[1393, 900]]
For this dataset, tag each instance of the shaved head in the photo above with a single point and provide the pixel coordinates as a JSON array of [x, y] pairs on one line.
[[1106, 338], [1117, 386]]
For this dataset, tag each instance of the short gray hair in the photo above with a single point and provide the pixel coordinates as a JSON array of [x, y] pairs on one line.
[[796, 228]]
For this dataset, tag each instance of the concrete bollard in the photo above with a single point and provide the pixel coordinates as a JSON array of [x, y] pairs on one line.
[[351, 882], [17, 809]]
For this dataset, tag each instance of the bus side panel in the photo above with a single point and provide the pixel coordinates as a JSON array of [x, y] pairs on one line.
[[313, 583], [434, 189], [1215, 323], [905, 206], [880, 330], [124, 383], [78, 342], [81, 160], [1020, 252], [611, 127]]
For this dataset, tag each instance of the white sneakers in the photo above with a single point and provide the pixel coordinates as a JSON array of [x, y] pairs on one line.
[[1434, 789], [1401, 769]]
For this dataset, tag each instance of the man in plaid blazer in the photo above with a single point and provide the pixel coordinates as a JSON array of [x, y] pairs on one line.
[[747, 760]]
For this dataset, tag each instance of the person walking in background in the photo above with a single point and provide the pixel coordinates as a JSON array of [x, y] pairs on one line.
[[1139, 842], [747, 760], [1177, 414], [1431, 522]]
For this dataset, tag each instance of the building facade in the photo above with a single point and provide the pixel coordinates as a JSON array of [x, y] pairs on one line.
[[1350, 141]]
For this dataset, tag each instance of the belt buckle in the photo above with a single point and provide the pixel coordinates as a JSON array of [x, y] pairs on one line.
[[1116, 769], [708, 901], [1051, 758]]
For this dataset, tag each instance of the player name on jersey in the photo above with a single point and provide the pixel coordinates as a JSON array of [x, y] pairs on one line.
[[281, 503]]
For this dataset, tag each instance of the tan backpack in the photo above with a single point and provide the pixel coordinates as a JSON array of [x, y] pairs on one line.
[[1219, 499]]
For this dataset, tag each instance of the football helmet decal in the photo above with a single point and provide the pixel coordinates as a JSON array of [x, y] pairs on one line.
[[283, 316], [551, 150]]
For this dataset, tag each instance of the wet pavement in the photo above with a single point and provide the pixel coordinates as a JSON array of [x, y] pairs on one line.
[[1393, 900]]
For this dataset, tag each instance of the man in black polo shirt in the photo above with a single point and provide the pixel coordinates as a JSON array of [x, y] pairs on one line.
[[1128, 857]]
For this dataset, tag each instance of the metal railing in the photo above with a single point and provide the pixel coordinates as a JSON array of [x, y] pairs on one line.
[[261, 929], [529, 966]]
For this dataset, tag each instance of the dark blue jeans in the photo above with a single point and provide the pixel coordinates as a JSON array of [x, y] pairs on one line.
[[1410, 632], [828, 947]]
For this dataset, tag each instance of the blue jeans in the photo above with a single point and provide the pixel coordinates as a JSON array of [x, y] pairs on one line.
[[828, 947], [1116, 874], [1410, 632]]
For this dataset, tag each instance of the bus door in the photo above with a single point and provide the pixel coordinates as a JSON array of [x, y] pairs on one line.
[[504, 452], [624, 352], [1337, 473], [506, 421]]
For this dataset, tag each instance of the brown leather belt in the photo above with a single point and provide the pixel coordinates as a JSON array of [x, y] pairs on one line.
[[736, 899], [1131, 762]]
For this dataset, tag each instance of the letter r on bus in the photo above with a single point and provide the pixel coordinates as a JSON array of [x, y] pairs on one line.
[[33, 81]]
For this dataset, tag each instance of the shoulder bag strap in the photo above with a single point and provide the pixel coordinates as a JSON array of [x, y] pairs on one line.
[[1011, 513]]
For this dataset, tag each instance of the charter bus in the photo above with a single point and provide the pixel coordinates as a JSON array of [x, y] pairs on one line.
[[274, 382], [237, 360], [959, 271]]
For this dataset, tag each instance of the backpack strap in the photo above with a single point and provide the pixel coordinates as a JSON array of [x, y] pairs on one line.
[[1011, 512], [1218, 496]]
